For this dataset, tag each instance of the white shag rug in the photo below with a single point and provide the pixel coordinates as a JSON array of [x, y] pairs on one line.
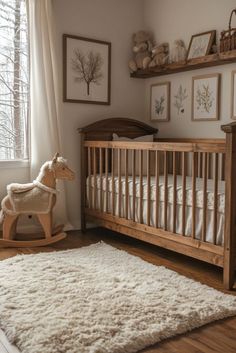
[[98, 299]]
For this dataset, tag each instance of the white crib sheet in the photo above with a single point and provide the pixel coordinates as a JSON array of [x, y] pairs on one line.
[[179, 197]]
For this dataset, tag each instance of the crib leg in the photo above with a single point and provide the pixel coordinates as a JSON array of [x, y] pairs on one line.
[[228, 271], [83, 223]]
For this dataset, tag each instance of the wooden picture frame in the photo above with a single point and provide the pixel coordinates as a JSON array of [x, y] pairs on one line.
[[200, 44], [206, 97], [233, 95], [79, 86], [160, 102]]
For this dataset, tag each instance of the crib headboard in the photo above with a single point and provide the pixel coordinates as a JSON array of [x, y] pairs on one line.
[[102, 130]]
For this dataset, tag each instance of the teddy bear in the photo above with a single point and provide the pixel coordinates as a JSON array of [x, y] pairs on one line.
[[178, 52], [160, 55], [143, 43]]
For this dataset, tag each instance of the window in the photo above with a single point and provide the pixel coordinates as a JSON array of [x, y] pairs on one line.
[[14, 80]]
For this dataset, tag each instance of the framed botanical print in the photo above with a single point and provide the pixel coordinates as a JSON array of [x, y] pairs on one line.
[[86, 70], [160, 102], [200, 44], [179, 99], [205, 97], [233, 96]]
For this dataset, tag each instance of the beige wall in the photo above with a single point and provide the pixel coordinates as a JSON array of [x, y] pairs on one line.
[[170, 20], [108, 20]]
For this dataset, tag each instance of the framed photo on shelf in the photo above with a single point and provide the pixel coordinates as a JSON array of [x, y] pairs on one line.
[[205, 97], [160, 101], [233, 95], [86, 70], [200, 44]]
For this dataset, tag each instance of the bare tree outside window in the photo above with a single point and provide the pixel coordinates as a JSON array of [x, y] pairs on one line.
[[14, 80], [87, 67]]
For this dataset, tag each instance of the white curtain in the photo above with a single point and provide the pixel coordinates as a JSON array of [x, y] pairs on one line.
[[44, 95]]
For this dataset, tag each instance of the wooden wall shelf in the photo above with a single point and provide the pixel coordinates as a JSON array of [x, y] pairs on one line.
[[194, 64]]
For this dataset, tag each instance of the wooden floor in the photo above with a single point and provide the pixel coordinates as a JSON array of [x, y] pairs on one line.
[[218, 337]]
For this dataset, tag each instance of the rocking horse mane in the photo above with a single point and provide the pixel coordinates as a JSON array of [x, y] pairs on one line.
[[51, 166]]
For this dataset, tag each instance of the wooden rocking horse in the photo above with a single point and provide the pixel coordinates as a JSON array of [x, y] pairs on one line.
[[39, 198]]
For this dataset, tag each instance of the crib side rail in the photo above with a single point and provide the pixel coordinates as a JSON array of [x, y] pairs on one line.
[[217, 147], [128, 184]]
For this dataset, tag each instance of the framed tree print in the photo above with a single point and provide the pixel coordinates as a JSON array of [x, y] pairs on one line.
[[160, 102], [205, 97], [86, 70], [233, 96]]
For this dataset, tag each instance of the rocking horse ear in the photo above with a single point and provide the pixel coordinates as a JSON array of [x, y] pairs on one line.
[[55, 158]]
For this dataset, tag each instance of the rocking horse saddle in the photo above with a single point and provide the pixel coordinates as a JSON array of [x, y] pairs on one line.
[[27, 198]]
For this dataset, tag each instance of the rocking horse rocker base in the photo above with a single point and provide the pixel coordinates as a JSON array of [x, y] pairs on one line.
[[36, 198], [4, 243], [9, 237]]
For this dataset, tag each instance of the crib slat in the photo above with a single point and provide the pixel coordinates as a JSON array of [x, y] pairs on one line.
[[209, 166], [193, 194], [100, 171], [94, 179], [148, 188], [170, 162], [126, 185], [222, 166], [134, 183], [196, 163], [215, 198], [157, 172], [140, 186], [204, 210], [106, 176], [165, 188], [174, 192], [113, 180], [119, 182], [89, 179], [183, 192], [200, 159]]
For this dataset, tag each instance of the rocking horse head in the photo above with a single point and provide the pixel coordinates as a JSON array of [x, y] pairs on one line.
[[55, 169], [60, 168]]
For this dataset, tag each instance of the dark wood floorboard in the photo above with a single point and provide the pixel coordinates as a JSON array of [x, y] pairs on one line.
[[218, 337]]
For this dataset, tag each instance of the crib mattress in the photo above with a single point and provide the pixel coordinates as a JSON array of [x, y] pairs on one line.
[[106, 195]]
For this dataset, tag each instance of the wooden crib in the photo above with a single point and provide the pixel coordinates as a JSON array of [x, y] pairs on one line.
[[179, 194]]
